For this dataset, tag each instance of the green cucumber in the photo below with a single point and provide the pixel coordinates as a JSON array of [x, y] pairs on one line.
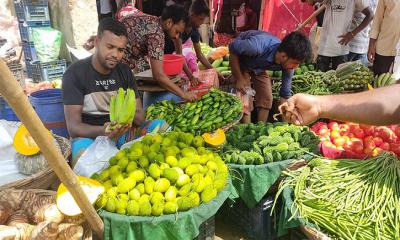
[[222, 69], [217, 62], [225, 63]]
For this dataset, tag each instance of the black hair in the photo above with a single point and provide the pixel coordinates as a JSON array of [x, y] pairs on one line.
[[112, 25], [199, 7], [297, 46], [176, 13]]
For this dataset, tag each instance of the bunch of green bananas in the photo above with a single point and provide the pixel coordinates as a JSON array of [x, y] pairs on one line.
[[122, 108]]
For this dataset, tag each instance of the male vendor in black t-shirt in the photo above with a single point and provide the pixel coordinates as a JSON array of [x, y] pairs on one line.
[[88, 85]]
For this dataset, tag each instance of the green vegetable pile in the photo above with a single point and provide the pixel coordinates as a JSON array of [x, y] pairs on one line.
[[349, 199], [311, 82], [220, 64], [161, 174], [303, 68], [354, 75], [264, 143], [214, 110]]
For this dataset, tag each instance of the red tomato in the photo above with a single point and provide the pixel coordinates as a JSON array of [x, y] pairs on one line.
[[376, 151], [328, 144], [344, 126], [353, 126], [378, 141], [335, 134], [397, 131], [368, 130], [323, 131], [333, 125], [395, 147], [358, 133], [317, 126], [344, 132], [339, 141], [368, 140], [368, 150], [348, 146], [386, 134], [385, 146], [357, 147]]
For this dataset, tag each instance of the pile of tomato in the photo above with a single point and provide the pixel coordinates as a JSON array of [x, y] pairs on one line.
[[357, 140]]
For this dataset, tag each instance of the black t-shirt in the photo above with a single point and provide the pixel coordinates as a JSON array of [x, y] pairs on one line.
[[83, 85], [194, 34]]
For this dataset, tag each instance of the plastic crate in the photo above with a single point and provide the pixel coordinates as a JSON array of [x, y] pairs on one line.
[[18, 73], [29, 68], [48, 71], [25, 29], [207, 230], [32, 10], [29, 51], [257, 222]]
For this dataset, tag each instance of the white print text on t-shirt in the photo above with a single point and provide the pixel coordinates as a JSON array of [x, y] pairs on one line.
[[105, 83]]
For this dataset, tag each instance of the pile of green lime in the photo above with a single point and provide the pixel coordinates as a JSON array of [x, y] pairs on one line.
[[161, 174]]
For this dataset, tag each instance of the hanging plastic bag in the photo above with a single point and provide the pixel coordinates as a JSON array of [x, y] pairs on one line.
[[96, 157], [47, 43], [247, 99]]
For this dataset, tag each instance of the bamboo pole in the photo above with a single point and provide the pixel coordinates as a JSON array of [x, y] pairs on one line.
[[16, 98], [312, 16]]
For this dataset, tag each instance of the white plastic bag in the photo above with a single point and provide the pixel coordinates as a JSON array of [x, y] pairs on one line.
[[96, 157]]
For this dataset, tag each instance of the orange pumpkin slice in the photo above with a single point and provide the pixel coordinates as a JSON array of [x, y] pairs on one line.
[[215, 139], [24, 143]]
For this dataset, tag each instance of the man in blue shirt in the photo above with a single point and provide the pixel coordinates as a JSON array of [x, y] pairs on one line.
[[254, 52]]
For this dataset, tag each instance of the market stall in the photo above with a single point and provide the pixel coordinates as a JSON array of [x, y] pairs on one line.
[[329, 180]]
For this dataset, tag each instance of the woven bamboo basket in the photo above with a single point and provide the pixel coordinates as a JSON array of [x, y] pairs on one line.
[[45, 178], [313, 234], [87, 232]]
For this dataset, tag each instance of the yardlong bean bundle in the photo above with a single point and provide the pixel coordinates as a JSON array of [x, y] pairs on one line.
[[314, 83], [349, 199]]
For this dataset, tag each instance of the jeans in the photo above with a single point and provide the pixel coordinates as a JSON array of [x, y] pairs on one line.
[[325, 63], [356, 56], [150, 98]]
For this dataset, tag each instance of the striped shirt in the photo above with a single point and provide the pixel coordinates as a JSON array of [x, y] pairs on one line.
[[360, 42]]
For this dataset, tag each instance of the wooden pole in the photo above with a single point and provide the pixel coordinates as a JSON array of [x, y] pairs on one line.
[[312, 16], [14, 95]]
